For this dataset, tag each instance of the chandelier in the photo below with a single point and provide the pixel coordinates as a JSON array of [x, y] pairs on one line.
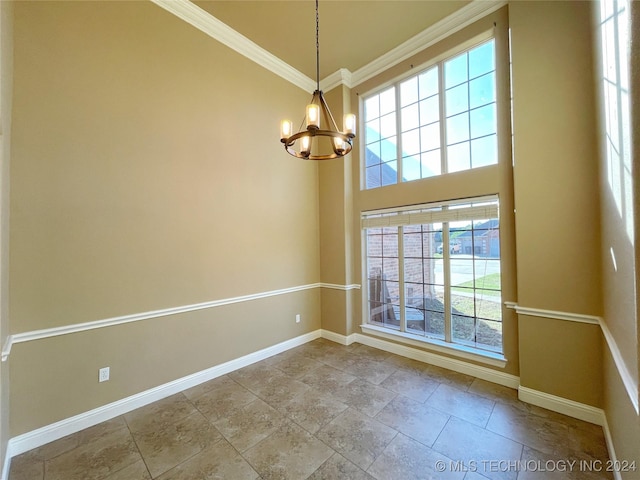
[[314, 143]]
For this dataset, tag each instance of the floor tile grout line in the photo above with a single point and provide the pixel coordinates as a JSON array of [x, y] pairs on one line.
[[563, 428]]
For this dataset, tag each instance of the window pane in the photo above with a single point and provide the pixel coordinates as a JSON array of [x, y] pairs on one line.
[[489, 335], [411, 169], [428, 82], [483, 121], [414, 312], [431, 164], [388, 149], [372, 154], [463, 301], [484, 151], [481, 59], [372, 131], [458, 157], [374, 250], [388, 126], [457, 99], [389, 173], [482, 90], [463, 329], [409, 91], [388, 101], [414, 295], [372, 108], [413, 270], [411, 143], [489, 306], [410, 117], [390, 268], [373, 177], [430, 137], [413, 247], [455, 71], [458, 128], [434, 321], [429, 110]]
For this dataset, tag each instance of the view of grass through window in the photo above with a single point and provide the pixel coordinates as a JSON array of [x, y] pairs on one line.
[[440, 279]]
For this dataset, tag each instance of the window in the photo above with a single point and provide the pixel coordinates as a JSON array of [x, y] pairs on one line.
[[439, 121], [433, 271]]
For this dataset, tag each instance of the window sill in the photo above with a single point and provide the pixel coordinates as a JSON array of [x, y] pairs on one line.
[[467, 353]]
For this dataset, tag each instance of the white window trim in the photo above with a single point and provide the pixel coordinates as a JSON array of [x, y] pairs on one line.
[[468, 213], [468, 353], [437, 60]]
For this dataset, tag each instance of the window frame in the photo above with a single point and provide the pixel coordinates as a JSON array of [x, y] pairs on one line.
[[378, 219], [395, 82]]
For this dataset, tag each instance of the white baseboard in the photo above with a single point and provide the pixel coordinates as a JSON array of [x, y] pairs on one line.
[[562, 405], [41, 436], [460, 366], [36, 438], [612, 451], [337, 337], [7, 463]]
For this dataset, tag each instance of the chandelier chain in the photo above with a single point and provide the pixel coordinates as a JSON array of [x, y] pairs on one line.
[[311, 143], [317, 48]]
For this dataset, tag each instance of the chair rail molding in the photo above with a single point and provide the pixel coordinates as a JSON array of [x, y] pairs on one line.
[[630, 384], [137, 317]]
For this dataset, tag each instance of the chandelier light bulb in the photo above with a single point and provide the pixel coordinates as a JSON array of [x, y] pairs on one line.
[[305, 146], [338, 145], [286, 129], [313, 116], [350, 124]]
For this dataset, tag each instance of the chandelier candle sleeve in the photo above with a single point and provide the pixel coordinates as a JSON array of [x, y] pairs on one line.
[[305, 147], [350, 124], [313, 116], [286, 129]]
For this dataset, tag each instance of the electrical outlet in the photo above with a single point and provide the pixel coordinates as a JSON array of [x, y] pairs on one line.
[[103, 374], [297, 318]]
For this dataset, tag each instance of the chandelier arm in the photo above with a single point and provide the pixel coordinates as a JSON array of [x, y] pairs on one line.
[[330, 156], [328, 113]]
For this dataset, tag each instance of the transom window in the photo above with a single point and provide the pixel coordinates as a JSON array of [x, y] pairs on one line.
[[439, 121], [433, 271]]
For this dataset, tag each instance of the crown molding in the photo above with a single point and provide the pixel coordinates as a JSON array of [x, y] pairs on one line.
[[435, 33], [337, 78], [210, 25]]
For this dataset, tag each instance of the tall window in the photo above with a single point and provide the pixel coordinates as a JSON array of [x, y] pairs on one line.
[[433, 271], [439, 121]]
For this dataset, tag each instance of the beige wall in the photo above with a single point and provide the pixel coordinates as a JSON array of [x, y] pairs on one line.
[[56, 378], [125, 199], [147, 175], [616, 184], [620, 202], [556, 196], [6, 88], [336, 227]]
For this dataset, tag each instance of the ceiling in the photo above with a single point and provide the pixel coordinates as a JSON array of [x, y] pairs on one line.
[[352, 33]]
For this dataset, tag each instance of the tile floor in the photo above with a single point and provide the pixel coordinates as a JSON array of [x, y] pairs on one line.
[[325, 411]]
